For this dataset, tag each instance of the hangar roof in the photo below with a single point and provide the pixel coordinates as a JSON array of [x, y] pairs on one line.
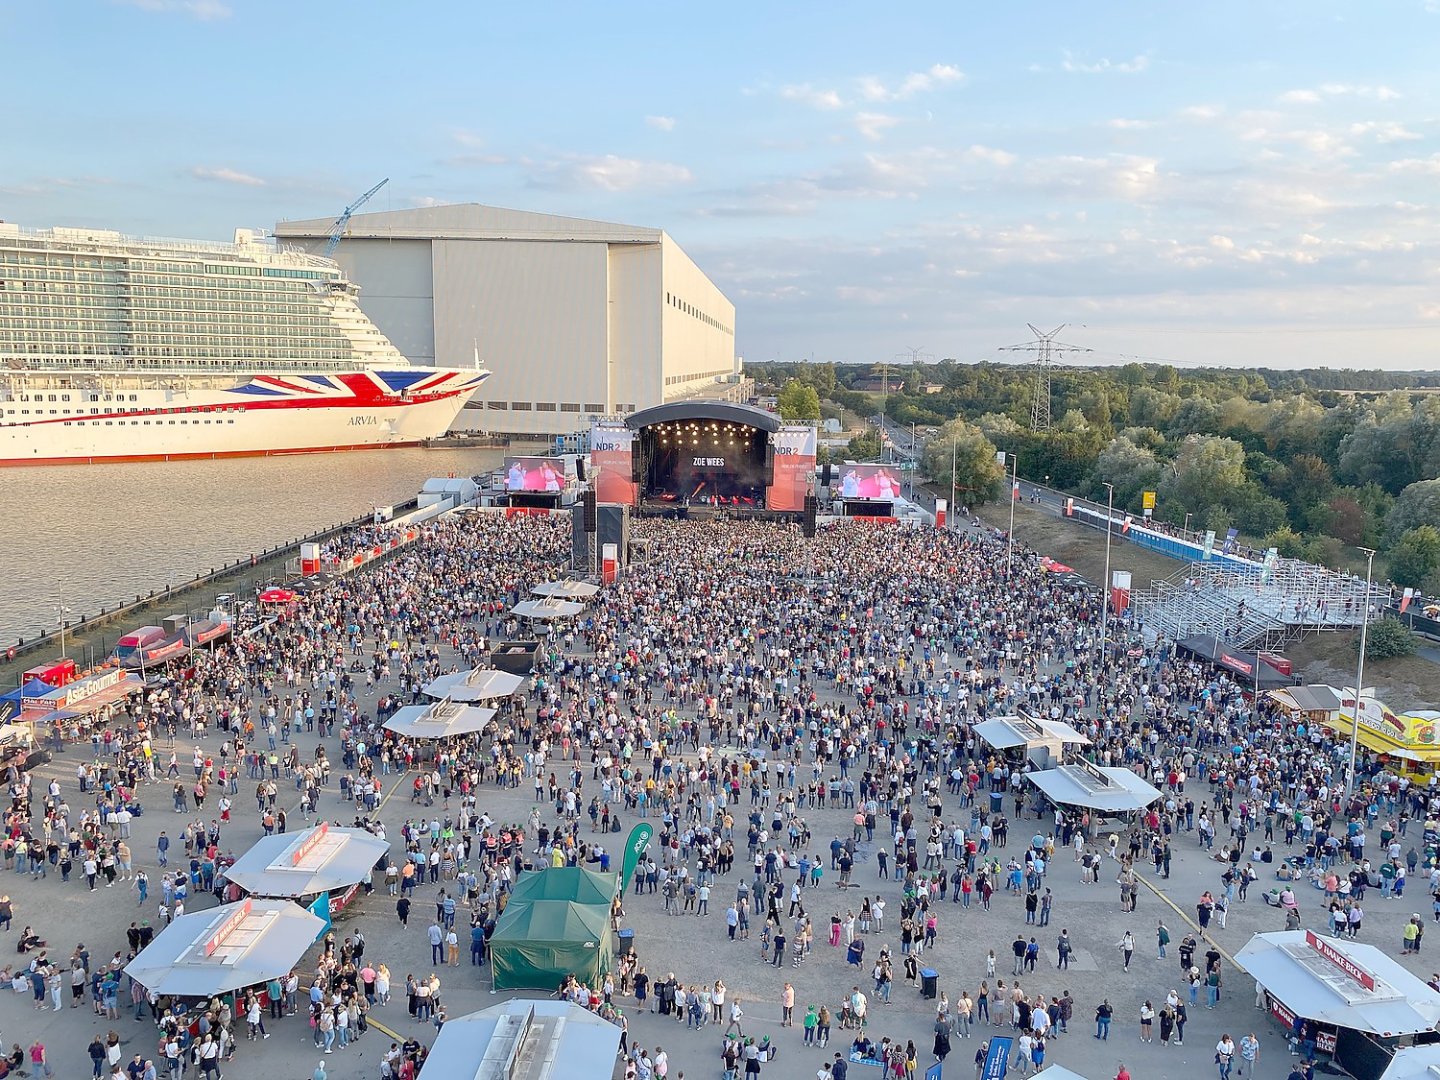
[[471, 221]]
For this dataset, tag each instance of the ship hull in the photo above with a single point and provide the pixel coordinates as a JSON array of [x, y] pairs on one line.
[[268, 415]]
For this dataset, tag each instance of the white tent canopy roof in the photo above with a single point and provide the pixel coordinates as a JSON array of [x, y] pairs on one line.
[[567, 589], [439, 720], [226, 948], [1110, 791], [549, 608], [1004, 732], [311, 861], [526, 1039], [1291, 965], [481, 684]]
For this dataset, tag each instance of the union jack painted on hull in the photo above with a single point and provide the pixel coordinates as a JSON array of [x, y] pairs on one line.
[[133, 419]]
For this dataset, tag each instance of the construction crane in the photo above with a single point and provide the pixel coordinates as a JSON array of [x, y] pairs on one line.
[[338, 229], [1044, 347]]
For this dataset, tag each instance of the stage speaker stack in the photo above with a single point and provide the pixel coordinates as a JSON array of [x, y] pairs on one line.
[[614, 528], [812, 507], [580, 469], [769, 463], [825, 475], [587, 501]]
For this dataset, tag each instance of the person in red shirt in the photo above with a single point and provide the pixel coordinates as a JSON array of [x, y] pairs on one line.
[[1123, 1074]]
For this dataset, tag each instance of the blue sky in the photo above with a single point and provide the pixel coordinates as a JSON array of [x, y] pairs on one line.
[[1233, 183]]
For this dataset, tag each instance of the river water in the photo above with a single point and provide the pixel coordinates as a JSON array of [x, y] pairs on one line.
[[86, 536]]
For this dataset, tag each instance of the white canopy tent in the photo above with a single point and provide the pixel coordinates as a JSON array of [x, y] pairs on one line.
[[548, 609], [1340, 982], [481, 684], [439, 720], [1043, 741], [1415, 1063], [1107, 790], [527, 1040], [290, 865], [226, 948], [566, 589]]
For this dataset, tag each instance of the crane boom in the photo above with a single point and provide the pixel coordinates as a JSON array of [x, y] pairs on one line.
[[338, 229]]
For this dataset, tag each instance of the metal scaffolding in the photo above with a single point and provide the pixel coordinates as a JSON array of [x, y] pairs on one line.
[[1249, 607]]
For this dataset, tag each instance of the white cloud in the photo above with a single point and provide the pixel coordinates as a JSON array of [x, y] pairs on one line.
[[1224, 243], [1385, 131], [990, 154], [1120, 123], [814, 96], [609, 172], [917, 82], [1335, 90], [874, 125], [661, 123], [49, 185], [203, 10], [226, 176], [1104, 65], [1200, 112]]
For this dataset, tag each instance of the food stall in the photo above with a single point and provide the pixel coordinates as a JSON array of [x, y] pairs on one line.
[[225, 949], [1024, 738], [1356, 1004], [324, 867]]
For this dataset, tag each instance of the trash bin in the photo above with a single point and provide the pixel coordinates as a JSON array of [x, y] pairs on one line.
[[626, 941], [929, 983]]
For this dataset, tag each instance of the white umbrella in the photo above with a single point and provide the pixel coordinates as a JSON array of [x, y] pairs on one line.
[[482, 684], [547, 609], [566, 590]]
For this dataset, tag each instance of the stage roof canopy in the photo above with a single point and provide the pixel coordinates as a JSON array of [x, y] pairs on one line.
[[311, 861], [226, 948], [726, 411], [1341, 982], [481, 684], [1110, 791], [439, 719]]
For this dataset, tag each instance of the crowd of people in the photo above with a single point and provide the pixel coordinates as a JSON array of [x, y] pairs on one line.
[[737, 688]]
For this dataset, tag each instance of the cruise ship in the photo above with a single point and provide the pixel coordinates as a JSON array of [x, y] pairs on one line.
[[115, 348]]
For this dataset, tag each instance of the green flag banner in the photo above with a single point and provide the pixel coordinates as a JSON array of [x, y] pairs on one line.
[[635, 845]]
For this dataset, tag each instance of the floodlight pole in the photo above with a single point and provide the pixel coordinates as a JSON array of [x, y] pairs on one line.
[[1105, 585], [1359, 678], [1010, 539], [954, 450]]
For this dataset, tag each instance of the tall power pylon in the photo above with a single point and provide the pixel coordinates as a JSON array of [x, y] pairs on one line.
[[1045, 348]]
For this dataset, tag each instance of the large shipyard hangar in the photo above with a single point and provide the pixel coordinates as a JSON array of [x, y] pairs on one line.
[[575, 318]]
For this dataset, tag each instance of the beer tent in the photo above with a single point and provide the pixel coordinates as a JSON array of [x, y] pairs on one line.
[[553, 926]]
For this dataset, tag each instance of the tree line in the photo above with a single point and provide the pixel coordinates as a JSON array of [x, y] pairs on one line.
[[1314, 462]]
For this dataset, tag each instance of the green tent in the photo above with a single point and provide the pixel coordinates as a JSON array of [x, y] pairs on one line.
[[538, 942], [565, 883]]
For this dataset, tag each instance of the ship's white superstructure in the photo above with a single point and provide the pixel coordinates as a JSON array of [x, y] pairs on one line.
[[123, 349]]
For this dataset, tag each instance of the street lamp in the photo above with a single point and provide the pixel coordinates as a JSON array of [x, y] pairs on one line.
[[954, 450], [1105, 586], [61, 610], [1010, 540], [1359, 679], [1186, 527]]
